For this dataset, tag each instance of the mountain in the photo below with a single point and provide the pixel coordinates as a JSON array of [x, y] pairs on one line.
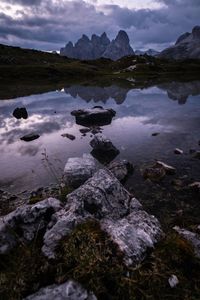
[[150, 52], [99, 46], [186, 46]]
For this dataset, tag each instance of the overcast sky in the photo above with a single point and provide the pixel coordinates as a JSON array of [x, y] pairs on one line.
[[50, 24]]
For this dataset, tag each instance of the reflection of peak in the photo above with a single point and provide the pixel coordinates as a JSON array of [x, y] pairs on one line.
[[97, 94], [181, 90]]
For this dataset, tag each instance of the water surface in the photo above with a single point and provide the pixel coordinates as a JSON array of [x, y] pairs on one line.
[[171, 109]]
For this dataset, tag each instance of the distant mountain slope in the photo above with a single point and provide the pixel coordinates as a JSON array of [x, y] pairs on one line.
[[187, 46], [150, 52], [15, 55], [99, 46]]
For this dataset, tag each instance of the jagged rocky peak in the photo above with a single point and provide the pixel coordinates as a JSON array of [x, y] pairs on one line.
[[99, 46], [122, 37], [196, 32], [187, 46]]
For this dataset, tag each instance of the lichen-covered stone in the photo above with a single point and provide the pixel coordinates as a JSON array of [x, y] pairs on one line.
[[121, 169], [78, 169], [69, 290], [101, 196], [25, 222], [134, 234]]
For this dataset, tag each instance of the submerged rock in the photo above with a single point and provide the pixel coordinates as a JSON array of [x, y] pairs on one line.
[[79, 169], [154, 173], [69, 290], [195, 186], [168, 169], [95, 116], [25, 222], [197, 155], [121, 169], [192, 237], [20, 113], [103, 198], [30, 137]]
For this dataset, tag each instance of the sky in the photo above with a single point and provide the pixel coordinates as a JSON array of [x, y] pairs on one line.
[[49, 24]]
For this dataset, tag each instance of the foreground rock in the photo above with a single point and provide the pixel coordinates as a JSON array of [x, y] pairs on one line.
[[192, 237], [20, 113], [79, 169], [30, 137], [134, 234], [25, 222], [69, 290], [96, 116], [187, 46], [121, 169], [103, 198]]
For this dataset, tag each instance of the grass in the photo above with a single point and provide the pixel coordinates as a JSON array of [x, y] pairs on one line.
[[90, 257]]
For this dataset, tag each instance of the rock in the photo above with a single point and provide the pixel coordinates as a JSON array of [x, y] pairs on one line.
[[155, 133], [79, 169], [100, 196], [69, 136], [197, 155], [168, 169], [119, 47], [191, 237], [94, 116], [134, 234], [69, 290], [103, 149], [192, 151], [121, 169], [173, 281], [20, 112], [25, 222], [103, 198], [186, 47], [98, 47], [154, 173], [30, 137], [84, 130], [178, 151], [195, 186]]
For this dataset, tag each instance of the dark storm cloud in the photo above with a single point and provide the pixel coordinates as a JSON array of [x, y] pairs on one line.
[[23, 2], [49, 25]]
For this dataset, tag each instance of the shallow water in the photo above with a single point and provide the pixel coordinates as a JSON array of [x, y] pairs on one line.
[[172, 110]]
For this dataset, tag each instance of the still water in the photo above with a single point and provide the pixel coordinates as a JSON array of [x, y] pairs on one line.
[[171, 109]]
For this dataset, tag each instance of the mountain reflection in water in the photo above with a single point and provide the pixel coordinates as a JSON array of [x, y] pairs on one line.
[[139, 113]]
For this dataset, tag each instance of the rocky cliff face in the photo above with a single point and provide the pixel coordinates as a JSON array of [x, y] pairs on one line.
[[99, 46], [186, 46]]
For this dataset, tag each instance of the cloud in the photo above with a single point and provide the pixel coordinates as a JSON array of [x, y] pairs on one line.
[[49, 24]]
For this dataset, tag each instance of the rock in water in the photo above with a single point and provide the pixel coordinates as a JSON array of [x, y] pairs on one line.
[[78, 170], [103, 198], [20, 113], [96, 116], [186, 47], [69, 136], [121, 169], [103, 149], [69, 290], [30, 137], [22, 224], [119, 47], [173, 281]]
